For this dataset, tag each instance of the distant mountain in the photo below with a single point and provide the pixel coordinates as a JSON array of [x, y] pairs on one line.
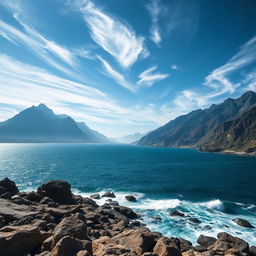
[[199, 127], [131, 138], [40, 124]]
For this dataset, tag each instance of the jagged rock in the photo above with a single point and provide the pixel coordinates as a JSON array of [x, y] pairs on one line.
[[129, 213], [185, 245], [108, 246], [47, 244], [252, 250], [206, 241], [109, 194], [83, 253], [130, 198], [69, 246], [71, 226], [62, 212], [234, 242], [2, 221], [58, 190], [137, 241], [11, 211], [243, 223], [95, 196], [6, 195], [9, 186], [33, 196], [16, 240], [176, 213], [166, 247]]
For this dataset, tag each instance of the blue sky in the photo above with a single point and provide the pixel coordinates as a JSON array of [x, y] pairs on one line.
[[125, 66]]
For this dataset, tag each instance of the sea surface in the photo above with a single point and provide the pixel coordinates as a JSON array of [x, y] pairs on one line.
[[215, 188]]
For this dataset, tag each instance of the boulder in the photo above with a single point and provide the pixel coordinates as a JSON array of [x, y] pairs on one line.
[[166, 247], [58, 190], [95, 196], [109, 194], [219, 247], [108, 246], [9, 186], [17, 240], [243, 223], [234, 242], [185, 245], [83, 253], [73, 226], [137, 241], [130, 198], [129, 213], [252, 250], [176, 213], [206, 241], [69, 246]]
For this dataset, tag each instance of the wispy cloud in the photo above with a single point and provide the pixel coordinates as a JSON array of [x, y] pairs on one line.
[[219, 78], [113, 35], [174, 67], [119, 78], [149, 77], [154, 9]]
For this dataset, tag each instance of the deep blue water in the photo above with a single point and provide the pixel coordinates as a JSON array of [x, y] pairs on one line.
[[212, 187]]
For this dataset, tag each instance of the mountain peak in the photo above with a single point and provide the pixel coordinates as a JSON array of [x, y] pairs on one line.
[[45, 109]]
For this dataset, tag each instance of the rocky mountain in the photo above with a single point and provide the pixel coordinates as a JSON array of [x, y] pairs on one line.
[[40, 124], [199, 127], [237, 135]]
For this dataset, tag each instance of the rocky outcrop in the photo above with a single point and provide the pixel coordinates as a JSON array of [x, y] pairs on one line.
[[58, 190], [8, 188], [37, 224], [243, 223]]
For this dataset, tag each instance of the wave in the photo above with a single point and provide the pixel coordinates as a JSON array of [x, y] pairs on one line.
[[213, 204]]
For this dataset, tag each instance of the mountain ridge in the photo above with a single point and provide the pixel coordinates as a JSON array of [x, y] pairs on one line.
[[40, 124], [197, 127]]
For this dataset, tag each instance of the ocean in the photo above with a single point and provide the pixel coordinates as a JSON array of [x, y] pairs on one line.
[[214, 188]]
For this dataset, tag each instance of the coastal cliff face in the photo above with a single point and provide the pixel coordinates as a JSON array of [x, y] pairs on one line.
[[206, 128], [54, 222]]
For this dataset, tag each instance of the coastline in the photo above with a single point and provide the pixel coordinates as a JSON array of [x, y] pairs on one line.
[[54, 222]]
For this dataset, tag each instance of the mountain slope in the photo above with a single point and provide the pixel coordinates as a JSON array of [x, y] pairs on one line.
[[40, 124], [237, 135], [197, 127], [130, 138]]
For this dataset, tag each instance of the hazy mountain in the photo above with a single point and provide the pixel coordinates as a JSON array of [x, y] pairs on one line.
[[130, 138], [40, 124], [197, 127]]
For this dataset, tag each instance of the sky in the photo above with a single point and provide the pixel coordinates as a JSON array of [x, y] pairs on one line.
[[125, 66]]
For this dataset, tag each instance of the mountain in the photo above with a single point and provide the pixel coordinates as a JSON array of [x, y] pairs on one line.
[[130, 138], [40, 124], [236, 135], [198, 127]]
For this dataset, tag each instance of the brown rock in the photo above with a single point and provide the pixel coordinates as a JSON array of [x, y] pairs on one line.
[[166, 247], [47, 244], [185, 245], [252, 250], [71, 226], [83, 253], [109, 194], [130, 198], [177, 213], [69, 246], [136, 240], [243, 223], [234, 242], [16, 240], [108, 246], [9, 186], [206, 241], [58, 190], [129, 213], [219, 247]]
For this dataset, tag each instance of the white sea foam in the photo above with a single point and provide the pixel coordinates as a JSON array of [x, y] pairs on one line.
[[214, 204], [160, 204]]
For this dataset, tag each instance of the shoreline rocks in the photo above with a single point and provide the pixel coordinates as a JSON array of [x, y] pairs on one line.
[[54, 222]]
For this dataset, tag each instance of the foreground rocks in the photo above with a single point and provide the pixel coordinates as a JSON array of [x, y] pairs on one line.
[[54, 222]]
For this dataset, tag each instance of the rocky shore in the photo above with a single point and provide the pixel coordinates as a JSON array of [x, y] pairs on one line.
[[54, 222]]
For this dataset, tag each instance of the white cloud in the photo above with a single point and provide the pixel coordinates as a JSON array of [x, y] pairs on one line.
[[219, 78], [174, 67], [154, 9], [113, 35], [119, 78], [149, 77]]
